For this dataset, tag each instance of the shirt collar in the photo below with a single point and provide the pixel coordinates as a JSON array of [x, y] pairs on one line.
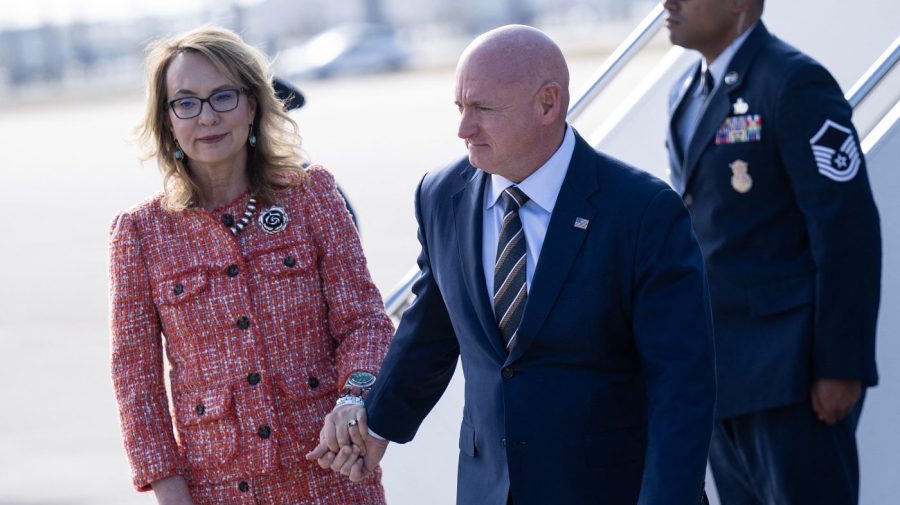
[[542, 186], [718, 66]]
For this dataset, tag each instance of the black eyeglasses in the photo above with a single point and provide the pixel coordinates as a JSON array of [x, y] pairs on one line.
[[188, 107]]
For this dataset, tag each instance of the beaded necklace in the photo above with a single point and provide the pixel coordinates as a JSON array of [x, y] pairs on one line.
[[245, 219]]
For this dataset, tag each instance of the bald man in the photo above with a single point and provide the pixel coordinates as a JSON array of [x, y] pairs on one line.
[[572, 288], [763, 150]]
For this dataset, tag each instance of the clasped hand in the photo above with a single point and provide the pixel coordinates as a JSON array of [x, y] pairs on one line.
[[833, 399], [345, 445]]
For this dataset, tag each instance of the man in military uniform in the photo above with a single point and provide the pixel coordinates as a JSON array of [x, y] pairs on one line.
[[763, 151]]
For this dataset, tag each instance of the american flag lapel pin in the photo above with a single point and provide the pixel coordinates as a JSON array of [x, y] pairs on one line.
[[581, 223]]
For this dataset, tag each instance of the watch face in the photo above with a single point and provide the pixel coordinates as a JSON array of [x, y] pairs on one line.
[[361, 380]]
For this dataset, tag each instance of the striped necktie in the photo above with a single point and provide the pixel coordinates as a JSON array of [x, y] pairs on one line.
[[510, 291]]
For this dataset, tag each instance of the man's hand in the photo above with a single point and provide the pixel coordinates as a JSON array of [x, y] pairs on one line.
[[363, 467], [832, 399], [345, 425], [342, 440]]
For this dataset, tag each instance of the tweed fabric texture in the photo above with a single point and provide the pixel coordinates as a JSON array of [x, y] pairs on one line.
[[291, 487], [260, 330]]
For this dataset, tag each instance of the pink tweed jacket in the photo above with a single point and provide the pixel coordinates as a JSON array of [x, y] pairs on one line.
[[261, 331]]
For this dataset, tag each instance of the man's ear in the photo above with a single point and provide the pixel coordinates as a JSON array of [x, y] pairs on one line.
[[548, 99]]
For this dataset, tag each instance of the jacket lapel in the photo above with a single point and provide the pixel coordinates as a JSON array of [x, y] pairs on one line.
[[468, 207], [720, 103], [675, 106], [561, 244], [712, 117]]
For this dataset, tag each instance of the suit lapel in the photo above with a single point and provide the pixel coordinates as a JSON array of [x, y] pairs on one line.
[[675, 109], [561, 243], [720, 103], [468, 207], [712, 117]]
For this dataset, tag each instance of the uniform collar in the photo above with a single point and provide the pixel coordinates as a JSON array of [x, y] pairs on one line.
[[719, 66]]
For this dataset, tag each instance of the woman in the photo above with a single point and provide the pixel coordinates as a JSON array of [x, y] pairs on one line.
[[252, 270]]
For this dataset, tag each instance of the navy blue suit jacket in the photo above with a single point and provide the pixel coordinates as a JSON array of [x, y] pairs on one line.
[[608, 393], [790, 232]]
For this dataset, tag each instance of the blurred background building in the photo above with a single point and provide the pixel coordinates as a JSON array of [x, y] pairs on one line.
[[73, 54], [71, 85]]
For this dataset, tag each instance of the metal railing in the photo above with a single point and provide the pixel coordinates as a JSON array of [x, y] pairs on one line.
[[635, 41], [401, 296], [864, 85]]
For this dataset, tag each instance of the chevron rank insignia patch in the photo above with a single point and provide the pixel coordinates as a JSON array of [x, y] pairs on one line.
[[836, 152]]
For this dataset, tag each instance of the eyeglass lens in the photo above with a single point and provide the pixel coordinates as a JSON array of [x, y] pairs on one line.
[[191, 106]]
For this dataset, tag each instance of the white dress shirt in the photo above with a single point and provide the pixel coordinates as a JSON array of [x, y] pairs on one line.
[[542, 188]]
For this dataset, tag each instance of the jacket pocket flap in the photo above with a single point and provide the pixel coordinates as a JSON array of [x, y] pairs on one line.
[[180, 287], [197, 407], [287, 260], [780, 296], [309, 382]]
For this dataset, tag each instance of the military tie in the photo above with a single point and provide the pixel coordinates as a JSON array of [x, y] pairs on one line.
[[708, 83], [510, 291], [696, 104]]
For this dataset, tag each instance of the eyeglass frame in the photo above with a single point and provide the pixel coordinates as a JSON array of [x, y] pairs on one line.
[[237, 102]]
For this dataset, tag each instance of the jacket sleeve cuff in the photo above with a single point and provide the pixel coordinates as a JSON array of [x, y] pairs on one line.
[[142, 480]]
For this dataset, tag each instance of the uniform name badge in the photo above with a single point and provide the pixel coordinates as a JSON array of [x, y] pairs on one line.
[[740, 176], [740, 129]]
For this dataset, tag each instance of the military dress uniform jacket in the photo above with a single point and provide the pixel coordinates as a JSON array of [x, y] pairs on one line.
[[261, 331], [780, 200]]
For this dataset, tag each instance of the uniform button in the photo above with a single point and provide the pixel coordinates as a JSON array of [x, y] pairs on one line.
[[253, 378], [290, 262], [243, 486], [689, 199], [508, 372], [178, 289], [503, 442], [264, 431], [313, 382], [232, 270], [228, 220], [243, 322], [200, 409]]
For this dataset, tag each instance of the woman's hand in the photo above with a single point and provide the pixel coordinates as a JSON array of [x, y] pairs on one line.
[[172, 491]]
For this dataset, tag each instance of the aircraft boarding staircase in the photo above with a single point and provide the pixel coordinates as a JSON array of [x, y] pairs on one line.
[[850, 40]]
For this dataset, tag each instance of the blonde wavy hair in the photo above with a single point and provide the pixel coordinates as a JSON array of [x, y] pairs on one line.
[[276, 160]]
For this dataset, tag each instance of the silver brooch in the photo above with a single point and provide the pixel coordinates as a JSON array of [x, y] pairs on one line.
[[273, 220]]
